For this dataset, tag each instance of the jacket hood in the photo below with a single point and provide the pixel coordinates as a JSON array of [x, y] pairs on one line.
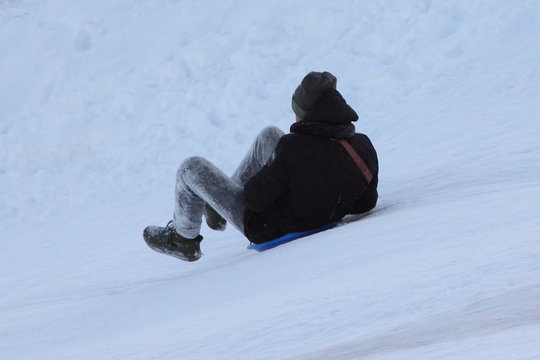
[[331, 108], [330, 117]]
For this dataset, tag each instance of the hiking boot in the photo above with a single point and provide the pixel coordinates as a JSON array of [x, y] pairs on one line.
[[213, 219], [167, 241]]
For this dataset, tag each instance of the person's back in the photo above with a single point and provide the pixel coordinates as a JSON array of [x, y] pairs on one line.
[[312, 180]]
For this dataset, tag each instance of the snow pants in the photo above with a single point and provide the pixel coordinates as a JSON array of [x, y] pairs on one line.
[[198, 182]]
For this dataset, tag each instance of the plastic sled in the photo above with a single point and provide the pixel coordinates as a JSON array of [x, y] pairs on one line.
[[289, 237]]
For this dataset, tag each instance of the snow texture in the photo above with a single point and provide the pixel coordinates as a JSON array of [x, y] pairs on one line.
[[102, 100]]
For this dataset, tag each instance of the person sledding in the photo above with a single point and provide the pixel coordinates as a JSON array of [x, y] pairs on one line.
[[315, 175]]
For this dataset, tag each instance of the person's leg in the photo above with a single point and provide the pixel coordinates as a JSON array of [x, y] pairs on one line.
[[200, 185], [199, 182], [261, 151]]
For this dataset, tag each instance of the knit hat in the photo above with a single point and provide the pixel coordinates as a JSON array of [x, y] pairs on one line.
[[308, 92]]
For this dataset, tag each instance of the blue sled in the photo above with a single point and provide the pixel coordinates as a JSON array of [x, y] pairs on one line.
[[289, 237]]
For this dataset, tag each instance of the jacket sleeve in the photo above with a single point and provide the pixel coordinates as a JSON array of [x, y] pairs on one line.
[[263, 189]]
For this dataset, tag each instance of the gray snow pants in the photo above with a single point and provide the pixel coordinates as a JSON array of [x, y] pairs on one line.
[[199, 182]]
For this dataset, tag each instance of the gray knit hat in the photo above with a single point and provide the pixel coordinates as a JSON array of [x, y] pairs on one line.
[[308, 92]]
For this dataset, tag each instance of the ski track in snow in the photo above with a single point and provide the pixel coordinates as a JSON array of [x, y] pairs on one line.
[[518, 308], [101, 101]]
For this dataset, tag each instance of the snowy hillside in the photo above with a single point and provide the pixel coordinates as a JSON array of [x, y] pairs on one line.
[[101, 100]]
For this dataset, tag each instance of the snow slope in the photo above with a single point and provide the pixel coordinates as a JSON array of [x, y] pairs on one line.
[[101, 100]]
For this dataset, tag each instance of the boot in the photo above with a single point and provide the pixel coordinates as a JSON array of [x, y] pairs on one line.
[[213, 219], [167, 241]]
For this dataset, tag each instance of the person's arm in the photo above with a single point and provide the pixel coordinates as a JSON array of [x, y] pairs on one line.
[[270, 183]]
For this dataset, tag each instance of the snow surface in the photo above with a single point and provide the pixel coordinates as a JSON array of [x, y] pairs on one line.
[[101, 101]]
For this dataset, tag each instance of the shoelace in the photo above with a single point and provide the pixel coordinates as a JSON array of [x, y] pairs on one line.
[[170, 229]]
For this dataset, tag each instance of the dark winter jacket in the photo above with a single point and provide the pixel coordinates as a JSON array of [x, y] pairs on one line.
[[312, 181]]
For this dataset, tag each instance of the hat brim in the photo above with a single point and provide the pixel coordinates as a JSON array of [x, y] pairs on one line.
[[298, 110]]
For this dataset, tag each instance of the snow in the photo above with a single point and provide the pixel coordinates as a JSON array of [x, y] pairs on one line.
[[102, 100]]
